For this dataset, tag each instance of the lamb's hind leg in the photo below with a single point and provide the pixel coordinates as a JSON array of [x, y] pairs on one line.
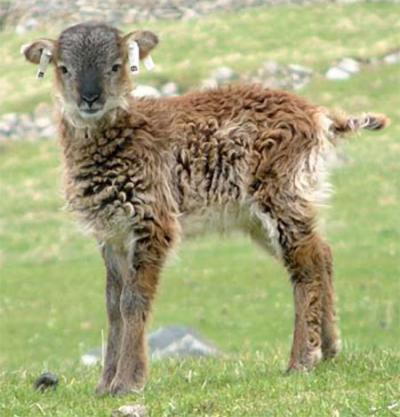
[[304, 260], [292, 237], [331, 343], [113, 294]]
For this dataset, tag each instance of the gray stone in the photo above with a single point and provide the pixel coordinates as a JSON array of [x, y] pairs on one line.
[[269, 67], [208, 83], [166, 342], [299, 69], [178, 341], [336, 73], [169, 89], [48, 132], [26, 26], [42, 122], [349, 65], [392, 58], [42, 110], [134, 410], [344, 69], [145, 91], [224, 74], [10, 118], [91, 358]]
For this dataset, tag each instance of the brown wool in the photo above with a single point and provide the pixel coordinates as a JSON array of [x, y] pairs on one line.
[[237, 157]]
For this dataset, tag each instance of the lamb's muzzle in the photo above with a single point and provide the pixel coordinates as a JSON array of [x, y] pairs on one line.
[[138, 170]]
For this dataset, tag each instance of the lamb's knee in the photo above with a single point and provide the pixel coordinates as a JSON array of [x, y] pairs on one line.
[[133, 305]]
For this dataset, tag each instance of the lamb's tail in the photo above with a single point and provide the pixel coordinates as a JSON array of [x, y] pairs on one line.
[[343, 124]]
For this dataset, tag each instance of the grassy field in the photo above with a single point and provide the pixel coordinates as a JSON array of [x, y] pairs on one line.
[[51, 277]]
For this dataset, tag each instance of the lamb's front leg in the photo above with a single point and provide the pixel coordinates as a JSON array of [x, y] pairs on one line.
[[113, 294], [138, 292]]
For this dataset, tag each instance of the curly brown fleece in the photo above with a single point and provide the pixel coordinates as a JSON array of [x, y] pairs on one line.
[[253, 158]]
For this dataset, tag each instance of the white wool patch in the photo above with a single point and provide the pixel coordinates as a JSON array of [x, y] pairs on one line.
[[311, 177], [270, 226]]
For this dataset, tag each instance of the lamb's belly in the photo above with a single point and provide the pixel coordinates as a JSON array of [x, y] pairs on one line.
[[245, 218], [107, 228]]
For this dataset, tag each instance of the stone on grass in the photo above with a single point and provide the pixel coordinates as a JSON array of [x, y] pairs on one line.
[[392, 58], [224, 74], [46, 381], [169, 89], [166, 342], [300, 70], [350, 65], [336, 73], [134, 410], [178, 342], [343, 70], [91, 358], [145, 91], [208, 84]]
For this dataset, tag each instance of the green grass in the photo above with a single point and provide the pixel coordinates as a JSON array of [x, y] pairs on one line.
[[51, 277]]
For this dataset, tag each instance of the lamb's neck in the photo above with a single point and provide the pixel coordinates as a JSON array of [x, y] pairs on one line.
[[89, 145]]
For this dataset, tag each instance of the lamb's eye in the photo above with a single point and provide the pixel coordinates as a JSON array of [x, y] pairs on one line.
[[63, 69], [116, 67]]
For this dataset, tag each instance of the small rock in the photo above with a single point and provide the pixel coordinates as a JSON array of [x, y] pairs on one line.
[[392, 58], [46, 381], [208, 84], [299, 69], [145, 91], [224, 74], [90, 359], [170, 89], [269, 67], [10, 118], [48, 132], [178, 341], [189, 14], [42, 122], [167, 342], [135, 410], [26, 26], [349, 65], [42, 110], [336, 73]]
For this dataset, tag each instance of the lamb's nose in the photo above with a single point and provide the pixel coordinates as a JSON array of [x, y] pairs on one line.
[[90, 98]]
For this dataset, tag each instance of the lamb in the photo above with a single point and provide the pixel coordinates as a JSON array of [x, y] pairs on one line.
[[138, 171]]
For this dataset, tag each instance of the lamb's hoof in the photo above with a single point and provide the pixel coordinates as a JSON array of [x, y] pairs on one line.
[[102, 389], [305, 364], [331, 351], [120, 387]]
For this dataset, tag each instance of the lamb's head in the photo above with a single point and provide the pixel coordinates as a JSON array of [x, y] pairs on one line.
[[91, 67]]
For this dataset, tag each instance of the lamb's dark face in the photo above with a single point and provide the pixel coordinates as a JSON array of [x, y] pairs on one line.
[[90, 69], [92, 75]]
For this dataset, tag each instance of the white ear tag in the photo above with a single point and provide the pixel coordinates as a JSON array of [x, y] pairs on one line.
[[43, 63], [149, 63], [133, 55]]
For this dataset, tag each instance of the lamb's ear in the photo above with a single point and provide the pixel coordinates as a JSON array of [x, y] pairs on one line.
[[40, 52], [34, 50], [145, 39]]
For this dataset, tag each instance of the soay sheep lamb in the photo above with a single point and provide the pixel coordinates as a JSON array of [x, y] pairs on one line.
[[136, 170]]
